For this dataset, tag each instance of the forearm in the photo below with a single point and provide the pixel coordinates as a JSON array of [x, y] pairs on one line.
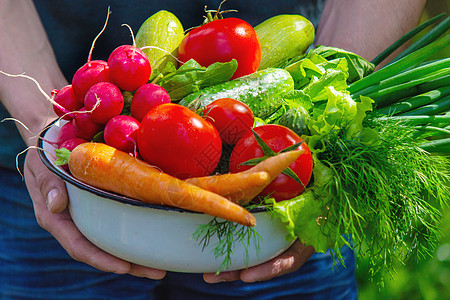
[[367, 27], [24, 48]]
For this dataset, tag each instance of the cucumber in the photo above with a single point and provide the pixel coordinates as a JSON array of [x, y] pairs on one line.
[[283, 37], [162, 30], [296, 118], [262, 91]]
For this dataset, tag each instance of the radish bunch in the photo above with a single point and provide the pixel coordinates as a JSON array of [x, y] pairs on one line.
[[94, 102]]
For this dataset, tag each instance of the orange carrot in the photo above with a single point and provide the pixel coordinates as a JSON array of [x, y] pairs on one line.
[[274, 165], [244, 186], [235, 187], [104, 167]]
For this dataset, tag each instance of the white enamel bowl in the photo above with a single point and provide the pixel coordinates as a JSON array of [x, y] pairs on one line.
[[154, 236]]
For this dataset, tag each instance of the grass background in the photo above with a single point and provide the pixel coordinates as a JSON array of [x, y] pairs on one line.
[[427, 279]]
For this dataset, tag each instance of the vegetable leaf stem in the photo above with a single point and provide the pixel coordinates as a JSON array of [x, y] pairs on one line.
[[225, 235]]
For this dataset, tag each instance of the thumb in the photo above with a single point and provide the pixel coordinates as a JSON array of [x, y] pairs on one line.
[[52, 188], [56, 199]]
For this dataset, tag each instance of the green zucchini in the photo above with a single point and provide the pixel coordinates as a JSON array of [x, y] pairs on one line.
[[262, 91], [283, 37], [164, 31]]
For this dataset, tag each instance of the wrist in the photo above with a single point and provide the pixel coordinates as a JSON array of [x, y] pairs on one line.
[[367, 27], [27, 105]]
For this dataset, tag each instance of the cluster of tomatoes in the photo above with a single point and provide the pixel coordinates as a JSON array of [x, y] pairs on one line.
[[169, 136]]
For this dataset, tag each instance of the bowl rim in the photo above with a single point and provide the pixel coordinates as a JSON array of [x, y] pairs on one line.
[[66, 177]]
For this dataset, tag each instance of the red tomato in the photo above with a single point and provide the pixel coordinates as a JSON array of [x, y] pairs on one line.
[[221, 41], [277, 137], [178, 141], [232, 118]]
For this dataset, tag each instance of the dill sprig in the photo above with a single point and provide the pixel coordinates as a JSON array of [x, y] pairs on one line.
[[225, 234], [388, 195]]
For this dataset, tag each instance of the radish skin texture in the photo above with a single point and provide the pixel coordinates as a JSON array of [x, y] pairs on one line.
[[66, 132], [107, 168], [83, 125], [129, 67], [147, 97], [121, 133], [72, 143], [67, 99], [104, 100], [89, 74]]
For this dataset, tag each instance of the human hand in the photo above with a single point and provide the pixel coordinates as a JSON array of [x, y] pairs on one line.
[[50, 202], [289, 261]]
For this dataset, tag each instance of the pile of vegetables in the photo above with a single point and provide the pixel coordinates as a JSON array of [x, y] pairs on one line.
[[341, 154]]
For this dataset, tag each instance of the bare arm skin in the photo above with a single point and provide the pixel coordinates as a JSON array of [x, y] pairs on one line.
[[367, 27], [24, 48]]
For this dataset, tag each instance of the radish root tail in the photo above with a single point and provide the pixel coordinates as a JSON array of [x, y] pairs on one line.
[[165, 51], [99, 34], [24, 151], [131, 33]]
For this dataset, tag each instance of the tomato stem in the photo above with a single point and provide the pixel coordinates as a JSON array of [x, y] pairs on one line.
[[268, 152], [218, 14]]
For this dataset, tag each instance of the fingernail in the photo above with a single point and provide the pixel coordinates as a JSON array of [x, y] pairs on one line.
[[217, 279], [155, 275], [51, 196]]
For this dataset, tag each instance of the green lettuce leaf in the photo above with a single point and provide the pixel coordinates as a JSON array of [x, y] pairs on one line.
[[192, 77], [339, 110], [358, 67], [303, 70], [355, 129], [312, 73], [302, 217], [307, 217], [332, 77]]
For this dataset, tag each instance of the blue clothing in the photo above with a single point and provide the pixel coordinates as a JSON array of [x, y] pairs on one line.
[[32, 263], [14, 144]]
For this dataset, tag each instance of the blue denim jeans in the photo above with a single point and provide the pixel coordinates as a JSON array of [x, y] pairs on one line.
[[34, 266]]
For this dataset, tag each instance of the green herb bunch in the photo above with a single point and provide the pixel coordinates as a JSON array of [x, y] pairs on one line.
[[387, 195], [224, 235]]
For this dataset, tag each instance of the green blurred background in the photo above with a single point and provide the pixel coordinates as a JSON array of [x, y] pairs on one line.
[[427, 279]]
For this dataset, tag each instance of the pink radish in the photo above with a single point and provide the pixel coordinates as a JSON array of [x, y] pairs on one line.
[[129, 67], [83, 125], [65, 133], [147, 97], [89, 74], [120, 133], [66, 98], [104, 100], [70, 144]]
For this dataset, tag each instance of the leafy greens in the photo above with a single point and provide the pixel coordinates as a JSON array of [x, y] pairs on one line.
[[372, 183]]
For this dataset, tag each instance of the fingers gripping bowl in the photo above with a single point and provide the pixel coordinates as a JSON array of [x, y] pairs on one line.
[[151, 235]]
